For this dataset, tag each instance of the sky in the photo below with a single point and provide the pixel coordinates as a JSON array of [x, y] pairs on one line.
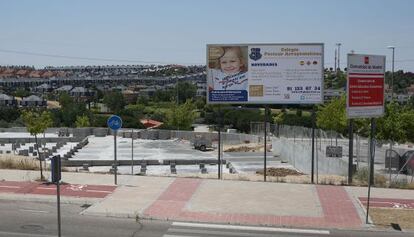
[[125, 32]]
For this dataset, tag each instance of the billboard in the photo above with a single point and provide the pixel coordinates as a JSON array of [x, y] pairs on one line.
[[365, 86], [265, 73]]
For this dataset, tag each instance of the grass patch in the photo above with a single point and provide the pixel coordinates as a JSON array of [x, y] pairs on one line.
[[383, 217], [362, 175], [19, 163]]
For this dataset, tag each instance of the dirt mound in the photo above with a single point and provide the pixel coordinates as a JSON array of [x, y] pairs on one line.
[[252, 147], [280, 172]]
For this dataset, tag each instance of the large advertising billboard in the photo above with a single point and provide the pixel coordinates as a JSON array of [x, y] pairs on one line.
[[365, 86], [265, 73]]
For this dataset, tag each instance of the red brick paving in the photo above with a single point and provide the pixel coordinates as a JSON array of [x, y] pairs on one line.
[[338, 209], [73, 190]]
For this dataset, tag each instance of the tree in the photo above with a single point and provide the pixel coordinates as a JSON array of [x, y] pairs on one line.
[[36, 123], [181, 116], [82, 121], [115, 101], [390, 127], [186, 91], [332, 116], [65, 100]]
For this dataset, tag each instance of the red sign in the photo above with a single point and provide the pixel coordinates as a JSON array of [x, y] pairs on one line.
[[366, 91], [365, 87]]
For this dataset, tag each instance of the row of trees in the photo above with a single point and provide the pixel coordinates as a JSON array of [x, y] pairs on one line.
[[397, 124]]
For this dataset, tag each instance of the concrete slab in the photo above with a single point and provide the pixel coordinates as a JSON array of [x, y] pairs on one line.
[[255, 198], [130, 201]]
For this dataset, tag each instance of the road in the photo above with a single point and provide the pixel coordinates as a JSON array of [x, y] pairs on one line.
[[23, 219]]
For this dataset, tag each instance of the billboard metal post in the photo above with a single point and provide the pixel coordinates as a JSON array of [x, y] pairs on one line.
[[265, 144], [313, 145], [351, 151], [132, 152]]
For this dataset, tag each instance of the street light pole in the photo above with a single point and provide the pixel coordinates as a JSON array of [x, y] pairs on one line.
[[392, 75], [339, 56]]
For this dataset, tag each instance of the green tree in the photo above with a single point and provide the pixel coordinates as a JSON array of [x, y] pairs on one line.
[[82, 121], [21, 92], [186, 91], [65, 100], [36, 124], [332, 116], [390, 127], [115, 101], [407, 119], [181, 116]]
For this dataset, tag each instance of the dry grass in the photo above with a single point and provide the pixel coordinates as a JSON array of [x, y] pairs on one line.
[[302, 179], [383, 217], [18, 162]]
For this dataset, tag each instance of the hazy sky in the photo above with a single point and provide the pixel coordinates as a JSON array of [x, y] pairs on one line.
[[167, 31]]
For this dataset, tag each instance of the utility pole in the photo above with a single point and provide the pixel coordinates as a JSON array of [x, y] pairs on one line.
[[339, 56], [392, 75]]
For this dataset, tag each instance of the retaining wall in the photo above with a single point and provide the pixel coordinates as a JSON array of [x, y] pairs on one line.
[[300, 156]]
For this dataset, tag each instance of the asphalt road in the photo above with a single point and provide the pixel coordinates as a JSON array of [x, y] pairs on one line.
[[23, 219]]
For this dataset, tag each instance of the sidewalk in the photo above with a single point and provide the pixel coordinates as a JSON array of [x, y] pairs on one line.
[[223, 201]]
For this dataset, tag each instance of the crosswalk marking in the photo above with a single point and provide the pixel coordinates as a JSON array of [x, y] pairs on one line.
[[251, 228]]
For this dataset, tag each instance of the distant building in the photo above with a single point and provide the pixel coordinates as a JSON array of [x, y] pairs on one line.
[[64, 89], [33, 101], [329, 94], [43, 88], [7, 101]]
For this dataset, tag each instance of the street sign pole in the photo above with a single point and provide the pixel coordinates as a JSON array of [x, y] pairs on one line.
[[371, 164], [56, 177], [365, 90], [58, 208], [115, 160], [115, 122]]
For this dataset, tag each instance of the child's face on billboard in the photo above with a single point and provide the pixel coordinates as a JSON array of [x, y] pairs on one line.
[[230, 62]]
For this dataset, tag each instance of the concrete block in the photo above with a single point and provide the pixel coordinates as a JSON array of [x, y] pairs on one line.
[[100, 132]]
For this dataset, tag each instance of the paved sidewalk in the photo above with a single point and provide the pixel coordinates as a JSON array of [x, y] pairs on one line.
[[224, 201]]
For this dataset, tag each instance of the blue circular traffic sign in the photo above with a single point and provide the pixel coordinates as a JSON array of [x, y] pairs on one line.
[[114, 122]]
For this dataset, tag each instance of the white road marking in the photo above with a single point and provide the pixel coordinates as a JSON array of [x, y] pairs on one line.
[[44, 188], [4, 186], [251, 228], [36, 211], [98, 191], [24, 234]]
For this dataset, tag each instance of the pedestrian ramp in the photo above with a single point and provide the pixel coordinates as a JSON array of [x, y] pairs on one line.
[[186, 229]]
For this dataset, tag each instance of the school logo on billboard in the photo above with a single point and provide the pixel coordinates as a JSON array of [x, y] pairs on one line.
[[255, 54]]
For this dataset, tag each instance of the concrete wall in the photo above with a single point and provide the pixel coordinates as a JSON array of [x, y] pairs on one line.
[[79, 133], [300, 156]]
